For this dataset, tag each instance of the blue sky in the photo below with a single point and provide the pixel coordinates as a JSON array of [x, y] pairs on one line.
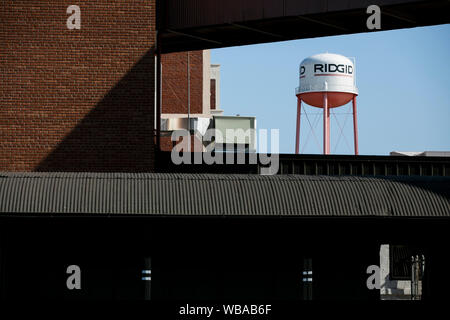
[[403, 78]]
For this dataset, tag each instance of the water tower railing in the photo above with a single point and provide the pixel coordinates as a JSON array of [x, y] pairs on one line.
[[335, 88]]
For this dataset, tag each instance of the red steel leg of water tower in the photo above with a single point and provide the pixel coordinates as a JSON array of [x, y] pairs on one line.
[[328, 132], [355, 126], [297, 134], [326, 125]]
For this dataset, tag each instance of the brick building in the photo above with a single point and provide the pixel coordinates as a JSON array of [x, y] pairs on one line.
[[84, 99], [189, 89], [77, 100]]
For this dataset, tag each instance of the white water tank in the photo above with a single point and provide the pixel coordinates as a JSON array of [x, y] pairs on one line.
[[327, 72]]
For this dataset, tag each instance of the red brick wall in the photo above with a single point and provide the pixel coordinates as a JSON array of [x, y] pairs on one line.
[[167, 144], [174, 83], [77, 100]]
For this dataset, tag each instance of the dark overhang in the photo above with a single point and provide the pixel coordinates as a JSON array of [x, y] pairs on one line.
[[201, 24]]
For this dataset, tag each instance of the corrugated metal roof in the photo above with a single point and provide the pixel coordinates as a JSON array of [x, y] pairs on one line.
[[215, 194]]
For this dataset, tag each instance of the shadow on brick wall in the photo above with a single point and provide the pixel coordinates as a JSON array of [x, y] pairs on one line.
[[117, 134]]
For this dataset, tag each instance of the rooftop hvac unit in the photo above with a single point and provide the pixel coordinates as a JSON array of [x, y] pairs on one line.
[[235, 132], [195, 124]]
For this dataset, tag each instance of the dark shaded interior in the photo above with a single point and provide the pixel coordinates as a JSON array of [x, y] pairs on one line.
[[209, 259]]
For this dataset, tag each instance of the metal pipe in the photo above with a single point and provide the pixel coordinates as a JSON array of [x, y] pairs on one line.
[[146, 277], [297, 135], [188, 94], [158, 93], [355, 126], [328, 131], [307, 279], [326, 125]]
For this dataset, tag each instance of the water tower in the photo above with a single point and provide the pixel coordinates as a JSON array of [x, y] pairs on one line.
[[326, 81]]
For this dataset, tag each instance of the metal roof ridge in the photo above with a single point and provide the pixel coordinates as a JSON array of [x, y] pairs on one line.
[[211, 176]]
